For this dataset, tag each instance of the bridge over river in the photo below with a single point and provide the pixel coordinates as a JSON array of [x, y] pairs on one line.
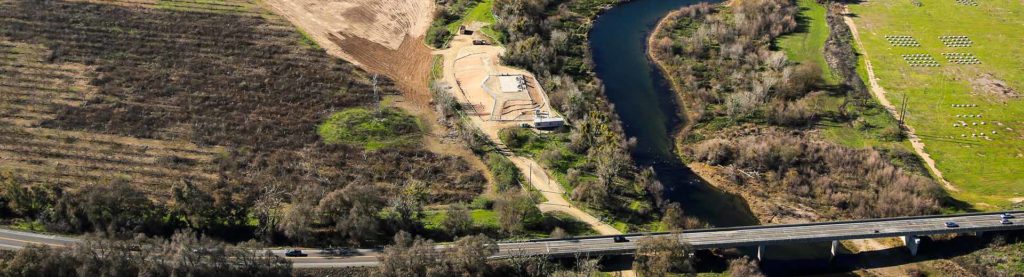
[[910, 229]]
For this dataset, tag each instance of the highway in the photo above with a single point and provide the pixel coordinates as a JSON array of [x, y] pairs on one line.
[[765, 235], [749, 236]]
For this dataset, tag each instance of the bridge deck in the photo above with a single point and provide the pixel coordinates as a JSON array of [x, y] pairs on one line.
[[774, 234]]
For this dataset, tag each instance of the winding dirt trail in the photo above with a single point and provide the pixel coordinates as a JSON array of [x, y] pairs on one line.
[[880, 93]]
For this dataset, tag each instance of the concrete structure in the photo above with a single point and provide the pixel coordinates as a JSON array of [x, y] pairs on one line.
[[548, 122], [497, 93], [909, 229], [512, 83]]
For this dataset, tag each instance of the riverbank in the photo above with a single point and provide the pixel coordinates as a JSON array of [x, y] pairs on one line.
[[764, 207], [760, 122]]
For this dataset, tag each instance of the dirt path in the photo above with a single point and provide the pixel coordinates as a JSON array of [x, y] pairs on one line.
[[880, 93], [538, 177], [554, 194], [552, 191]]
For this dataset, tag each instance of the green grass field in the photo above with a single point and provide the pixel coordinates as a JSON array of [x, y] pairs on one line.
[[371, 129], [483, 13], [808, 43], [988, 172]]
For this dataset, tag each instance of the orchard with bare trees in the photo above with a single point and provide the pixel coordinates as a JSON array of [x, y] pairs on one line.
[[127, 117]]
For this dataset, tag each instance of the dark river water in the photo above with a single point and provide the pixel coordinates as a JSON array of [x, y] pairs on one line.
[[647, 107]]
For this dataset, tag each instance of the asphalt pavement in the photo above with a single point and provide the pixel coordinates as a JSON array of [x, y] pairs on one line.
[[700, 239]]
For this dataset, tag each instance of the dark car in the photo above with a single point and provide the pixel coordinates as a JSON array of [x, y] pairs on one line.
[[1006, 221], [1006, 216], [620, 239], [951, 224], [294, 253]]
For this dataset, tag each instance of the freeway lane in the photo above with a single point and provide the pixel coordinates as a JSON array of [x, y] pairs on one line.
[[775, 234], [700, 239], [316, 259], [13, 240]]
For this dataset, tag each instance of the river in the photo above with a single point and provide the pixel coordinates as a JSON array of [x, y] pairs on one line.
[[647, 108], [646, 105]]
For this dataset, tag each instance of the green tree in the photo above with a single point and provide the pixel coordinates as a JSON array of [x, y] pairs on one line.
[[23, 199], [195, 206], [114, 209], [406, 210]]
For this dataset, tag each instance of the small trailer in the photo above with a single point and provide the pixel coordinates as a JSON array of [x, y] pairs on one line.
[[548, 122]]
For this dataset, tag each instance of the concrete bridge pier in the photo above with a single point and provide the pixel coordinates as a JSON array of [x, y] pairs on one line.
[[911, 241], [835, 248], [760, 253]]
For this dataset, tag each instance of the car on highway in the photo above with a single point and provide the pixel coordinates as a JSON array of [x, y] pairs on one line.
[[294, 253], [619, 239], [1006, 216], [950, 224], [1006, 221]]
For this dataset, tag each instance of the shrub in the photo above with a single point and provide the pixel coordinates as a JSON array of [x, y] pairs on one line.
[[827, 176], [892, 133], [482, 202], [516, 137], [506, 175], [113, 209]]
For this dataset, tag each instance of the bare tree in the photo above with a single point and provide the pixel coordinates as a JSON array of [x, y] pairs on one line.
[[457, 220], [657, 256], [744, 267], [516, 211]]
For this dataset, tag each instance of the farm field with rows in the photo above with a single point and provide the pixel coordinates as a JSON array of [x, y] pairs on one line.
[[220, 94], [960, 68]]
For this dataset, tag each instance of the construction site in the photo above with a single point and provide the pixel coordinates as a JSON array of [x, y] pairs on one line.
[[491, 92]]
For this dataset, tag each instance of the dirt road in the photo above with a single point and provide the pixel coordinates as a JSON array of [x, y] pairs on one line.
[[549, 188], [555, 196], [538, 177], [880, 93]]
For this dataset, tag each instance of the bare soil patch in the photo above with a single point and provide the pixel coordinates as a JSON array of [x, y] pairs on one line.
[[408, 66], [384, 37], [989, 85]]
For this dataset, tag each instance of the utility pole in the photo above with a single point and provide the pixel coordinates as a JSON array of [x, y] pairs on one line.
[[376, 93], [903, 110]]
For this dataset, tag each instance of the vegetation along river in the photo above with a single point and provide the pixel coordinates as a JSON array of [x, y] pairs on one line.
[[647, 108]]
